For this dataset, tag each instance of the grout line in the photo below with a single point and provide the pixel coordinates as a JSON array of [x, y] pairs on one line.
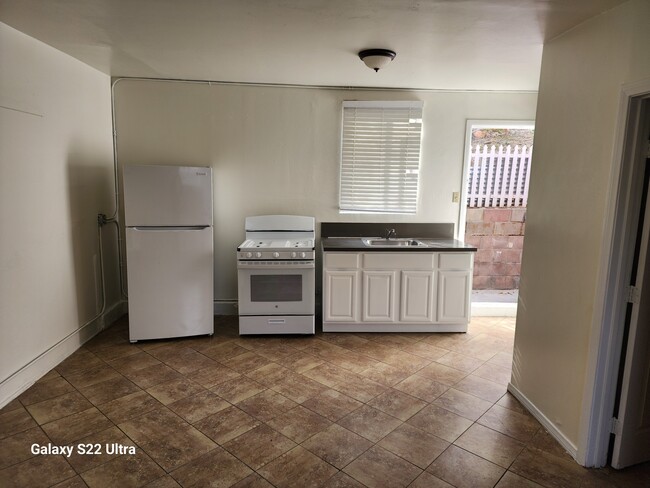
[[276, 360]]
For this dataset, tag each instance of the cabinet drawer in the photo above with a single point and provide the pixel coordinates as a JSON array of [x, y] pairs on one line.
[[341, 260], [398, 260], [455, 260]]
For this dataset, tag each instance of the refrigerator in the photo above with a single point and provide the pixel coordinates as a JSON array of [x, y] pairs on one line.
[[169, 251]]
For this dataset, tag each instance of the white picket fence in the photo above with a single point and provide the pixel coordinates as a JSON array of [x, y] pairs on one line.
[[499, 177]]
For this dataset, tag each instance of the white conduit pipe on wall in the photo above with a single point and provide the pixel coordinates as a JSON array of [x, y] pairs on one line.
[[87, 323], [102, 220], [114, 218]]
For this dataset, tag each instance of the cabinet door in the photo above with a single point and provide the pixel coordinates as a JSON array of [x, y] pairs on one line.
[[417, 296], [454, 288], [341, 296], [378, 296]]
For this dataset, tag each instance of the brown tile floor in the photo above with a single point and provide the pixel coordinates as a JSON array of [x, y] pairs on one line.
[[334, 410]]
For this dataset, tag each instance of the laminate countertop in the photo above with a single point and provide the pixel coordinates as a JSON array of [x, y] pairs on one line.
[[356, 244]]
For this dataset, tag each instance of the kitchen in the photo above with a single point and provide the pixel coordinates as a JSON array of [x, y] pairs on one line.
[[243, 133], [240, 131]]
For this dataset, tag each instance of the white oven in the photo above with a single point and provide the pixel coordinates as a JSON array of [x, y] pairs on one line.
[[276, 287], [276, 275]]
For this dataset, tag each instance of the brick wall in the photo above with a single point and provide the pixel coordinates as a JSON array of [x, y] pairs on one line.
[[498, 233]]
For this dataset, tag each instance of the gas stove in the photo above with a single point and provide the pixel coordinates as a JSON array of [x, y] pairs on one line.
[[276, 275]]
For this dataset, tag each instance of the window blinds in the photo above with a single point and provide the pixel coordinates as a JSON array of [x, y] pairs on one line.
[[380, 157]]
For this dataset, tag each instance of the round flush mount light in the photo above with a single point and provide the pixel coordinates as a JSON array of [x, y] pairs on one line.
[[377, 58]]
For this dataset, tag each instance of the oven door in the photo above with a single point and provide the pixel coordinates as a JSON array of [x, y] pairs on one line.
[[271, 288]]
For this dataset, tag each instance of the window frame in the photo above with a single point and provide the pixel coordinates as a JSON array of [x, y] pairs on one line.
[[381, 104]]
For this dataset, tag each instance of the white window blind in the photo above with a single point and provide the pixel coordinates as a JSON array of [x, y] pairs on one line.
[[380, 157]]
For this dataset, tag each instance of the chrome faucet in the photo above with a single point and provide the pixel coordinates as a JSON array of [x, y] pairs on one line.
[[390, 233]]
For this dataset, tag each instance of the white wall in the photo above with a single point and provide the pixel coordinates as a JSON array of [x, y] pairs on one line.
[[581, 78], [55, 176], [276, 150]]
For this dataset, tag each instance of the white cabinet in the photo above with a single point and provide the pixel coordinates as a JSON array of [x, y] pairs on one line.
[[341, 290], [396, 291], [454, 288], [378, 296], [417, 299]]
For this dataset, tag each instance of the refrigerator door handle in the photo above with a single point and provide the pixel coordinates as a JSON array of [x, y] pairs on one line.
[[169, 228]]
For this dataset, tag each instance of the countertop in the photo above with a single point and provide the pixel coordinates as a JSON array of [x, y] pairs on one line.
[[356, 244]]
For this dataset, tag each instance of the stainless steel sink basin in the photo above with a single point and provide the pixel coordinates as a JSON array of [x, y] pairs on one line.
[[379, 242]]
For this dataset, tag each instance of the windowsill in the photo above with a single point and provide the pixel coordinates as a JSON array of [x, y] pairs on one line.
[[368, 212]]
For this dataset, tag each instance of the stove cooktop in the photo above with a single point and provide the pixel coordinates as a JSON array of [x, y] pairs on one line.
[[276, 249], [277, 244]]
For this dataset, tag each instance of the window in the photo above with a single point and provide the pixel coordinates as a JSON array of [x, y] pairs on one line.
[[380, 157]]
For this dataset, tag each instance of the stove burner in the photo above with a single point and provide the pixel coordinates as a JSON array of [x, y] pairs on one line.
[[277, 245]]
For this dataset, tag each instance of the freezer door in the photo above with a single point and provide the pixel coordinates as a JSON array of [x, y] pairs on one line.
[[170, 282], [167, 196]]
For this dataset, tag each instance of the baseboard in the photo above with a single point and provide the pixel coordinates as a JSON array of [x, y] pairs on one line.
[[26, 376], [225, 307], [552, 429], [494, 309]]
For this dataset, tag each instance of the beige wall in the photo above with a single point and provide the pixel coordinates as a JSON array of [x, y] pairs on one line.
[[276, 150], [55, 176], [581, 78]]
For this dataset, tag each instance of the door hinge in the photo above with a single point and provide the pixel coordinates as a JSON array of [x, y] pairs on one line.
[[615, 427], [632, 295]]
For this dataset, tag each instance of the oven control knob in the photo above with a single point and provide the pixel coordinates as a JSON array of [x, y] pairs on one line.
[[294, 254], [276, 254], [303, 255], [249, 254], [258, 254]]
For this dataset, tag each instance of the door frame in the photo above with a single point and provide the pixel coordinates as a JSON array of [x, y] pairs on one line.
[[480, 124], [619, 232]]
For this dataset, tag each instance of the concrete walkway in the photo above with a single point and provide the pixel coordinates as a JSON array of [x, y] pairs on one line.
[[495, 296], [494, 303]]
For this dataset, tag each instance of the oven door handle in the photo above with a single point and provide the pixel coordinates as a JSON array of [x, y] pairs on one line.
[[271, 265]]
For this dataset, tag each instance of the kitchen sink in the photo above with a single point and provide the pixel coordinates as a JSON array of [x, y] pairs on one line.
[[379, 242]]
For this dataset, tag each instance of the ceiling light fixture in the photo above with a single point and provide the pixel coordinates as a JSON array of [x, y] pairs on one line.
[[377, 58]]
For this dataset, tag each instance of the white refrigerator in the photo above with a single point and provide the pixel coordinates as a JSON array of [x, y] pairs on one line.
[[169, 251]]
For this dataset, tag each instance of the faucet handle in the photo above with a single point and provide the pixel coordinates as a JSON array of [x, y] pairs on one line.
[[390, 233]]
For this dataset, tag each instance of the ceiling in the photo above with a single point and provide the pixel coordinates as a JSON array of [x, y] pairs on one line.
[[440, 44]]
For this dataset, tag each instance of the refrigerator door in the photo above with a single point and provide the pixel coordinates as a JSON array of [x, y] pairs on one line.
[[170, 277], [167, 196]]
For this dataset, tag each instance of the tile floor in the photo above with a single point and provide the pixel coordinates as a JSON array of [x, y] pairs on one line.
[[334, 410]]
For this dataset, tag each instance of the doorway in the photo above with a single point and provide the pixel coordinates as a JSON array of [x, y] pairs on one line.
[[616, 424], [630, 441], [493, 209]]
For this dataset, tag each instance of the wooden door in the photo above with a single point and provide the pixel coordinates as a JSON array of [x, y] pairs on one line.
[[632, 427]]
